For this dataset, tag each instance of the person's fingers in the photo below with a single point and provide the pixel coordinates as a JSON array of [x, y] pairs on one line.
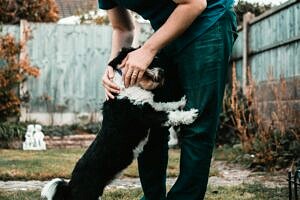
[[113, 90], [134, 77], [140, 75], [109, 84], [128, 77], [109, 95], [110, 73], [107, 78], [109, 88]]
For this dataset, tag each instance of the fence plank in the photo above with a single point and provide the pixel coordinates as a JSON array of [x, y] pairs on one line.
[[246, 19]]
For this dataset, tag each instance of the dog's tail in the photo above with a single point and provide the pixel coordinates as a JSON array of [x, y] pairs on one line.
[[56, 189]]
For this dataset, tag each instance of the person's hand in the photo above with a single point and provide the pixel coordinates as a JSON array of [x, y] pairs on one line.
[[135, 64], [109, 86]]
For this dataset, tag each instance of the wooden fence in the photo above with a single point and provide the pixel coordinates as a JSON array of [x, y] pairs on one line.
[[268, 48], [269, 43], [72, 59]]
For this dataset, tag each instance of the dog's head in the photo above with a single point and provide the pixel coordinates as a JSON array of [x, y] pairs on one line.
[[154, 75], [153, 78]]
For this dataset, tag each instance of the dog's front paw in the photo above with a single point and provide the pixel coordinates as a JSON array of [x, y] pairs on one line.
[[191, 116]]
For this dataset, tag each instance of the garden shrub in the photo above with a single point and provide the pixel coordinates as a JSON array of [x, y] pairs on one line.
[[12, 11], [64, 130], [12, 131], [273, 139], [11, 134], [14, 70], [277, 142], [226, 134]]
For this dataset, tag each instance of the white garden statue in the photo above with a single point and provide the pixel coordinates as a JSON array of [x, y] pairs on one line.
[[29, 140], [39, 138], [34, 138]]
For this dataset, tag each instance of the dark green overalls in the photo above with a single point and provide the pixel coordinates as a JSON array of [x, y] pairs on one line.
[[201, 58]]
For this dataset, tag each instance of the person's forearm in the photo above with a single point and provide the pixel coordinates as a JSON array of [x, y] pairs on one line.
[[181, 18], [120, 39], [123, 28]]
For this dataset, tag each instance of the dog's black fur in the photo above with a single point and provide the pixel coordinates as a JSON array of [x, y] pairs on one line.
[[124, 126]]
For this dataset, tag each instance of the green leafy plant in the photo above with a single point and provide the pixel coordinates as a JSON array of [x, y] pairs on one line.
[[11, 131], [91, 128]]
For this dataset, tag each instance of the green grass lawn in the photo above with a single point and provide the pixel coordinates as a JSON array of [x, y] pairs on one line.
[[37, 165], [44, 165], [243, 192]]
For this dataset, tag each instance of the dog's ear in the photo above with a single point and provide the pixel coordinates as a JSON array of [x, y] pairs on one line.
[[120, 57]]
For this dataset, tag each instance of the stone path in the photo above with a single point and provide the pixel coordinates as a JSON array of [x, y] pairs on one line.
[[228, 175], [126, 183]]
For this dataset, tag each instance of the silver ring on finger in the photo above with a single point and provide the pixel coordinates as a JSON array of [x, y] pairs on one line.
[[134, 75]]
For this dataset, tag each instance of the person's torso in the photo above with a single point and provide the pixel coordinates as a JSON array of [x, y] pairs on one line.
[[157, 12]]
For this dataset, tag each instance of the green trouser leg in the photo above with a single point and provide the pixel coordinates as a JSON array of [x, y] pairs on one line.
[[202, 69]]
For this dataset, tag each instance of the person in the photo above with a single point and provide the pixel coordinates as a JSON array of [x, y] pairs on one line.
[[196, 38]]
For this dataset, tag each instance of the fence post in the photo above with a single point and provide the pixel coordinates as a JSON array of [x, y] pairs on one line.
[[246, 19], [24, 28]]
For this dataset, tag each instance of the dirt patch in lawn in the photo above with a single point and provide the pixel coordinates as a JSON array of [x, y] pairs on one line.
[[233, 175]]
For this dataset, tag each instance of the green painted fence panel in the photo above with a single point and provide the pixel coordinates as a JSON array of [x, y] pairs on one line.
[[10, 29], [282, 29], [274, 40], [72, 60]]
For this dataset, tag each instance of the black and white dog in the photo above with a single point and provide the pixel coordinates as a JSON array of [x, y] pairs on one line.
[[126, 123]]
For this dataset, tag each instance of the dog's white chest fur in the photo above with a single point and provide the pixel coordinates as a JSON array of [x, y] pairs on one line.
[[138, 96]]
